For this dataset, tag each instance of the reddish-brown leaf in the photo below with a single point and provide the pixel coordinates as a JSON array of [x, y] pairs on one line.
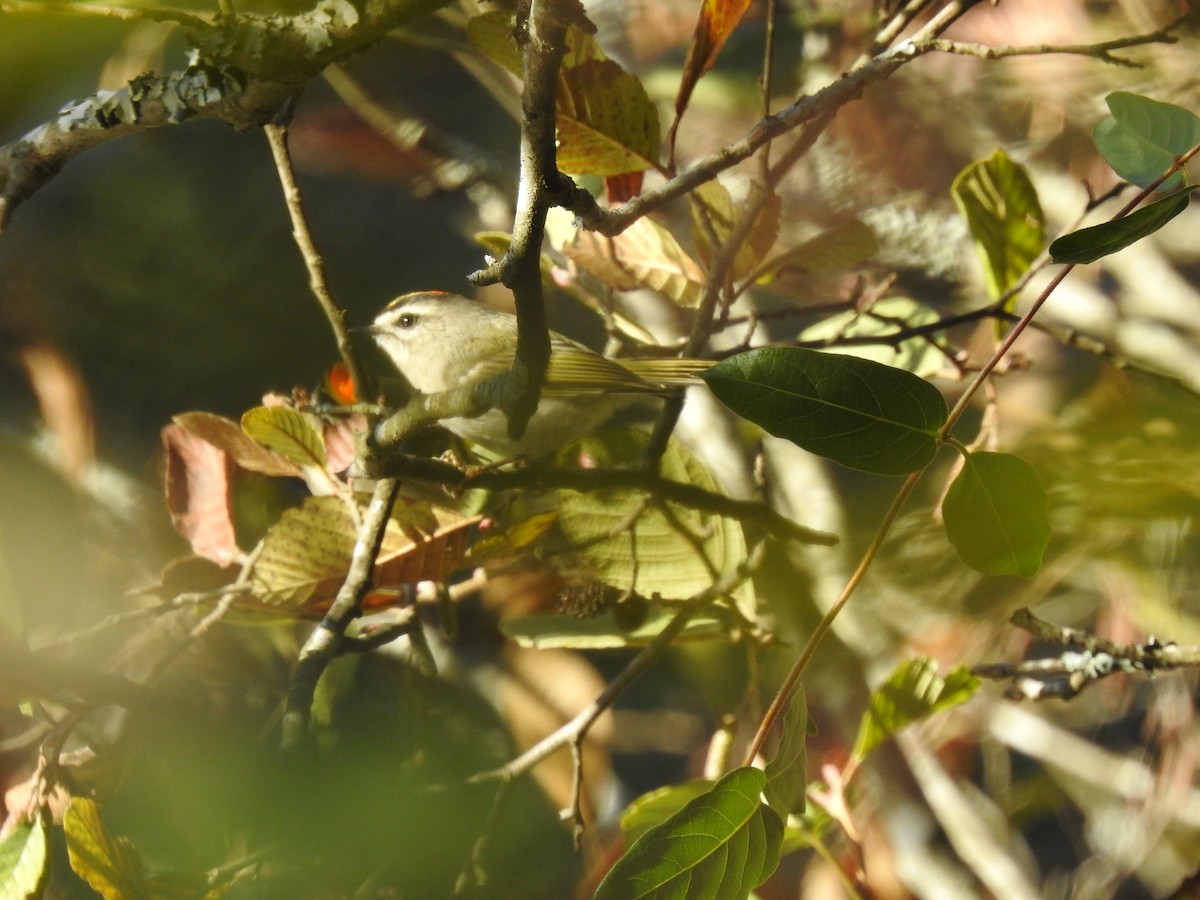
[[718, 19], [198, 494], [228, 436]]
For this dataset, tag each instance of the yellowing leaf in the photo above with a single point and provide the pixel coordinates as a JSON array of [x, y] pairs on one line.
[[287, 432], [1001, 207], [110, 865], [607, 124], [714, 215], [645, 255]]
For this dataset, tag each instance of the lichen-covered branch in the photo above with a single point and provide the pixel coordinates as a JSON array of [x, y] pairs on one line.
[[1085, 660], [243, 69]]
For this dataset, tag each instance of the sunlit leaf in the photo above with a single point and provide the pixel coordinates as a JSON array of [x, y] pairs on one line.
[[1090, 244], [633, 546], [23, 861], [997, 515], [856, 412], [912, 692], [110, 865], [1001, 207], [512, 539], [304, 557], [645, 255], [720, 846], [717, 21], [885, 321], [286, 432], [1142, 137], [654, 808], [607, 124], [839, 247], [713, 216], [787, 772]]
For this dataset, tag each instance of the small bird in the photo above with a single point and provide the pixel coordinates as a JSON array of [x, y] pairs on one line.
[[441, 341]]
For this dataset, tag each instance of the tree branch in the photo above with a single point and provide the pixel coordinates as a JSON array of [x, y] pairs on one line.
[[246, 66]]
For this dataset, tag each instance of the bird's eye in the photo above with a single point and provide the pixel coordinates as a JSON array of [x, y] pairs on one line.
[[408, 320]]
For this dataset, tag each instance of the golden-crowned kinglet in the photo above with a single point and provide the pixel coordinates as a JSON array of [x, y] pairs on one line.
[[440, 342]]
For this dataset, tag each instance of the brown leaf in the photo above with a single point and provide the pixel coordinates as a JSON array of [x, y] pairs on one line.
[[645, 255], [304, 557], [229, 437], [717, 21], [198, 494]]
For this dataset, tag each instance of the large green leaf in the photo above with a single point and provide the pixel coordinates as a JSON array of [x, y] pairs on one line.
[[859, 413], [1142, 137], [667, 551], [1001, 207], [23, 861], [912, 692], [1090, 244], [997, 515], [787, 772], [720, 846]]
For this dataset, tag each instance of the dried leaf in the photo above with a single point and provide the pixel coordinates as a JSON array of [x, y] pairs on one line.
[[303, 559], [199, 495], [645, 255], [228, 436], [717, 21]]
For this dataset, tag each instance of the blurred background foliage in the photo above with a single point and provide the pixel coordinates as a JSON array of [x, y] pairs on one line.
[[157, 274]]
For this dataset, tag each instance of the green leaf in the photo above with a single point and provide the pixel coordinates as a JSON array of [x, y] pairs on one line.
[[23, 861], [856, 412], [667, 551], [839, 247], [1001, 207], [997, 515], [885, 320], [288, 433], [1090, 244], [110, 865], [654, 808], [720, 846], [1142, 137], [787, 773], [912, 692]]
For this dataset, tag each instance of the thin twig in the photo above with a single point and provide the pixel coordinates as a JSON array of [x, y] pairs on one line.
[[325, 641], [277, 137], [583, 721]]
